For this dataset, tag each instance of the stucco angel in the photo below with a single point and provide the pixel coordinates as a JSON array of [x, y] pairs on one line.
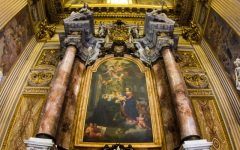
[[237, 73]]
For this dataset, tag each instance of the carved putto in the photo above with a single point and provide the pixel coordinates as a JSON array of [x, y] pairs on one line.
[[237, 73]]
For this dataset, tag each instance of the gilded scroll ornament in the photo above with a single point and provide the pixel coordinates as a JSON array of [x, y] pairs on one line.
[[188, 60], [200, 92], [196, 80], [45, 31], [119, 32], [36, 90], [191, 33], [40, 77], [48, 58]]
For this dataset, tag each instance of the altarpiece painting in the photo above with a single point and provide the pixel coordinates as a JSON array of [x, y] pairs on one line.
[[118, 104]]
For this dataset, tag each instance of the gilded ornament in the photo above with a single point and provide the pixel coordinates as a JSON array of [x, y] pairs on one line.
[[196, 80], [119, 33], [48, 58], [200, 92], [191, 33], [36, 90], [40, 77], [45, 31], [188, 60]]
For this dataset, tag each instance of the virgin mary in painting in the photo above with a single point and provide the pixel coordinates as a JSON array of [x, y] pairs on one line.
[[118, 107]]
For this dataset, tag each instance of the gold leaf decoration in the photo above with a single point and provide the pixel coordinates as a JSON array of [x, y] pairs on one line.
[[40, 77], [119, 33], [196, 80], [48, 58], [188, 60]]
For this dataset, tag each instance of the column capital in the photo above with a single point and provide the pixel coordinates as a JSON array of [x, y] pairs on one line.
[[72, 40]]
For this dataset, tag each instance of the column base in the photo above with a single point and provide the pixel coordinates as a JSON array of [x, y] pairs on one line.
[[39, 144], [196, 145]]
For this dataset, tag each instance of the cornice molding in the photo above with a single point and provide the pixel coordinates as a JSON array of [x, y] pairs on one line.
[[13, 85], [8, 9], [227, 99], [229, 11]]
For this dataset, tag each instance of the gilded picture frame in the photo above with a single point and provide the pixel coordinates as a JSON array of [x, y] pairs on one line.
[[154, 107]]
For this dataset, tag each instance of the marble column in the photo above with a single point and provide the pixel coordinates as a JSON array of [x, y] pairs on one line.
[[67, 121], [159, 82], [187, 123], [53, 107], [169, 121]]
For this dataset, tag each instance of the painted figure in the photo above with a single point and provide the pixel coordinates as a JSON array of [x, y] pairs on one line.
[[141, 121], [129, 107], [92, 131], [118, 103]]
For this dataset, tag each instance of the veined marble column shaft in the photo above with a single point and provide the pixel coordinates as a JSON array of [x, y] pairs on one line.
[[186, 118], [157, 73], [66, 123], [53, 107]]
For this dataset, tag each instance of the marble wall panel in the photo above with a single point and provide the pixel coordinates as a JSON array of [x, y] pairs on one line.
[[13, 39], [25, 121], [210, 123]]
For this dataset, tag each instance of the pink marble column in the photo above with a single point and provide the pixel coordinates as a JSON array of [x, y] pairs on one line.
[[185, 115], [67, 121], [53, 107], [159, 82]]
